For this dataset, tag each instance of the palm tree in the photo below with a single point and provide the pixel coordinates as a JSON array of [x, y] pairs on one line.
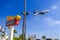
[[20, 37], [15, 32], [2, 35]]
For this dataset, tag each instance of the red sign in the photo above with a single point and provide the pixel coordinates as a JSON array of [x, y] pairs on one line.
[[12, 22], [16, 22]]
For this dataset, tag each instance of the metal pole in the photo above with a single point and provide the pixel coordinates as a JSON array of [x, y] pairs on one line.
[[24, 23]]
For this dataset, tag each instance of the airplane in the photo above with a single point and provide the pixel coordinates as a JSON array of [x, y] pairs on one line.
[[40, 12]]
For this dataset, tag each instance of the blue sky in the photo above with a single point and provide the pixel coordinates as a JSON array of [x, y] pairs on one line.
[[48, 24]]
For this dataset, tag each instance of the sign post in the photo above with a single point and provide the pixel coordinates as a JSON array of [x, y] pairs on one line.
[[11, 29], [11, 22]]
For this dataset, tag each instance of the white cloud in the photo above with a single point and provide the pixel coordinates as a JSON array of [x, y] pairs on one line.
[[50, 21], [55, 23], [54, 7]]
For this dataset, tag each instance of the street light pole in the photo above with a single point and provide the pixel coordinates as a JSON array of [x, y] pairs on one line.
[[24, 22]]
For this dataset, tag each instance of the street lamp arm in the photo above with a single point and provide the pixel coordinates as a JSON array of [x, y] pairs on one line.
[[27, 13]]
